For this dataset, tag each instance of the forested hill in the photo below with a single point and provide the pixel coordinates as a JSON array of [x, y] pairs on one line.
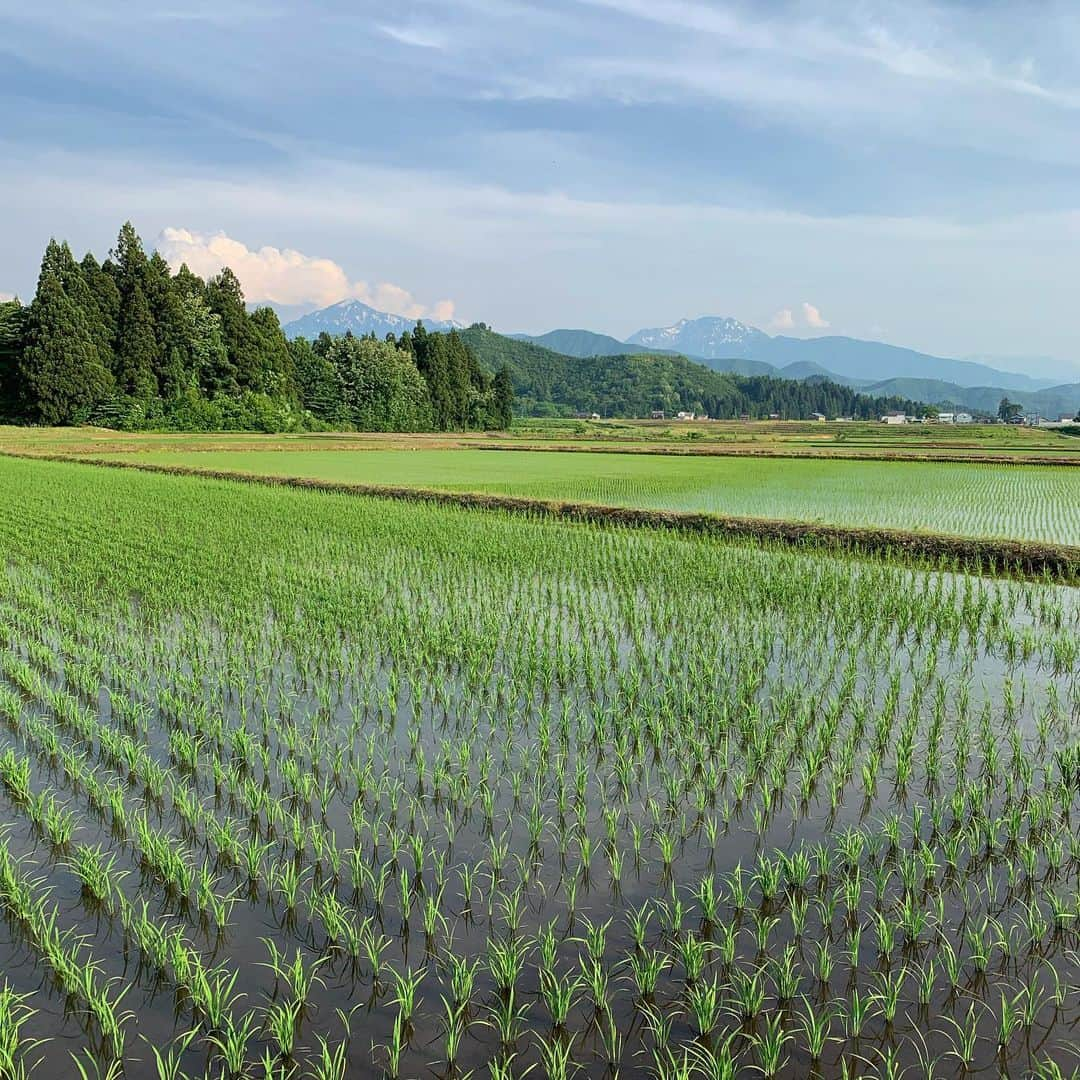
[[547, 383], [127, 343]]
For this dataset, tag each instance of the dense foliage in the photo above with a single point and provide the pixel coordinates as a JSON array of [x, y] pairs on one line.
[[127, 343], [420, 382], [549, 384]]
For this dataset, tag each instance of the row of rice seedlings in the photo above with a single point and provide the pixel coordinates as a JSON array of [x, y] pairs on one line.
[[26, 903]]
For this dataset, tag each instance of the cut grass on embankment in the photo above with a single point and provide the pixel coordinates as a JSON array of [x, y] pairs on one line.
[[988, 555], [1003, 502]]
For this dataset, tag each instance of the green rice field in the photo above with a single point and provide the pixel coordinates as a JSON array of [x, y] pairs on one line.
[[297, 784], [985, 500]]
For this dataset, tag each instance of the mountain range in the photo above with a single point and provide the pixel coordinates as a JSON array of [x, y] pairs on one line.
[[727, 345], [718, 340]]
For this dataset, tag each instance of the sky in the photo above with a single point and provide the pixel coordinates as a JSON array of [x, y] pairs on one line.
[[907, 172]]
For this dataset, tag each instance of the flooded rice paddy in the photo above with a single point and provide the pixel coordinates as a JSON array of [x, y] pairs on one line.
[[297, 784]]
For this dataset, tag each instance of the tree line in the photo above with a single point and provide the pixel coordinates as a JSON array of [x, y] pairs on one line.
[[421, 381], [547, 383], [127, 343]]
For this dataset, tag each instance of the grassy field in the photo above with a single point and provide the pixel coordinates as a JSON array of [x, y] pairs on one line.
[[986, 500], [931, 440], [301, 784], [638, 436]]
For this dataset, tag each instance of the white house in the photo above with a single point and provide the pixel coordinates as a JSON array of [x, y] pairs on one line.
[[894, 418], [963, 418], [946, 418]]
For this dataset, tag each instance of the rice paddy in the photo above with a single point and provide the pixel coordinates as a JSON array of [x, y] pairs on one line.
[[1039, 503], [306, 785]]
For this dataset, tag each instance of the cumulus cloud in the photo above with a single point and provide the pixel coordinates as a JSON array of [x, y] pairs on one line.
[[6, 296], [813, 317], [284, 276], [806, 316]]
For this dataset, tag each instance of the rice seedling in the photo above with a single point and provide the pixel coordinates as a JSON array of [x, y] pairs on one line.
[[506, 1017], [168, 1062], [282, 1023], [769, 1046], [17, 1050], [405, 996], [556, 1058], [231, 1042]]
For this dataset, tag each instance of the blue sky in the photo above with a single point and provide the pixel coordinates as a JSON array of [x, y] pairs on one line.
[[908, 171]]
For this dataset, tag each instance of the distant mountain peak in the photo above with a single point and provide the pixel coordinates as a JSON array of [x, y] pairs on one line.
[[359, 319], [710, 336]]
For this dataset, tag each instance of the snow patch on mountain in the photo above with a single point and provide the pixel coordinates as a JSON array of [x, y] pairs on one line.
[[711, 337]]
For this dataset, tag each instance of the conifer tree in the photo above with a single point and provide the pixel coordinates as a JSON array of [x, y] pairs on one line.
[[12, 333], [59, 262], [458, 379], [431, 361], [226, 300], [61, 374], [128, 260], [136, 348], [102, 287], [502, 398], [166, 312], [317, 381], [189, 284], [137, 355]]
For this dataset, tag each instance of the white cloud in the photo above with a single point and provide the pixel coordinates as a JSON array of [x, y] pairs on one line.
[[6, 296], [813, 317], [950, 77], [807, 315], [924, 41], [285, 276], [417, 37]]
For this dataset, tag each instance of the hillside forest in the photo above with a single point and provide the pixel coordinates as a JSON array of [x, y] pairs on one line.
[[635, 385]]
